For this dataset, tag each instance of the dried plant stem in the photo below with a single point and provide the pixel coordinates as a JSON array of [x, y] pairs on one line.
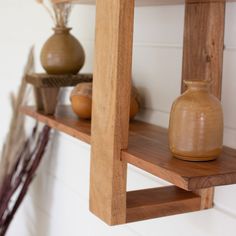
[[16, 134], [20, 156], [49, 12], [59, 12], [25, 178]]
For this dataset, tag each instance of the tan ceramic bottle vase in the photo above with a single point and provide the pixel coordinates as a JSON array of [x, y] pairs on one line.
[[62, 53], [196, 124]]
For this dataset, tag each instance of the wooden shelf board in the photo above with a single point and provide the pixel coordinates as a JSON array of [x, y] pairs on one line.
[[146, 2], [137, 2], [57, 81], [158, 202], [64, 121], [148, 150]]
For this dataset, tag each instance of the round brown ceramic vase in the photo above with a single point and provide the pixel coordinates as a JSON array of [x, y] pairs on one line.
[[196, 124], [134, 103], [62, 53], [81, 101]]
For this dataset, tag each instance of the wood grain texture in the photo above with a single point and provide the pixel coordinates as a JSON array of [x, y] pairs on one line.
[[110, 112], [148, 150], [203, 55], [158, 202], [204, 43], [64, 120], [207, 197], [38, 99], [147, 2], [57, 81], [49, 99]]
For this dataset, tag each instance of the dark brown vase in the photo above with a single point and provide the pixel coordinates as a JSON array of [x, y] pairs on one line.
[[196, 124], [62, 53]]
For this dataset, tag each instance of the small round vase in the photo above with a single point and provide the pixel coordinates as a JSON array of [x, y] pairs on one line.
[[196, 124], [81, 101], [62, 53], [134, 103]]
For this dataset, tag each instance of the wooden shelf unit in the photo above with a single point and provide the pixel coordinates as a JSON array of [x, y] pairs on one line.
[[148, 150], [141, 204], [115, 142]]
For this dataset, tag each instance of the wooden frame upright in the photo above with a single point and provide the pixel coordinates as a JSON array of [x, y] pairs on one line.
[[202, 59], [203, 54], [110, 115]]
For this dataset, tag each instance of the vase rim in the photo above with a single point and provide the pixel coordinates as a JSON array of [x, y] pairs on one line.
[[59, 29], [201, 83]]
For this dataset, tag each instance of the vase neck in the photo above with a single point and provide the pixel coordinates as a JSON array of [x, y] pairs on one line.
[[62, 30], [198, 85]]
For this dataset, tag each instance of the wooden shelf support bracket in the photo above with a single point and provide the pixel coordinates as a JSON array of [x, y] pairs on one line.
[[110, 115], [203, 55]]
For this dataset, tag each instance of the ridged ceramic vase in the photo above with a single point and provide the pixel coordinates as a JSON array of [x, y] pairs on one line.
[[196, 124], [62, 53]]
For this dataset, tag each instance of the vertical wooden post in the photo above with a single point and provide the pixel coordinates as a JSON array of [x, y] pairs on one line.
[[110, 115], [203, 54], [204, 42]]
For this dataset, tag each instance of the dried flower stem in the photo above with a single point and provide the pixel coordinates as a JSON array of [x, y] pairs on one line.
[[49, 12], [20, 156], [24, 179], [59, 13], [16, 135]]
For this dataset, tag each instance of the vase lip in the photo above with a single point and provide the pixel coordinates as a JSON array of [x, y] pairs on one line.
[[61, 29], [198, 83]]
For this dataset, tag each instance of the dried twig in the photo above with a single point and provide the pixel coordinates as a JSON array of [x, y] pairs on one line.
[[24, 179], [20, 156], [16, 135]]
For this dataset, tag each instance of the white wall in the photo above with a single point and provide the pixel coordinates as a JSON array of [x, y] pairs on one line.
[[58, 201]]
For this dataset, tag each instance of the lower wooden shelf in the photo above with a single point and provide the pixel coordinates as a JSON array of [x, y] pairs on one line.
[[157, 202], [148, 150]]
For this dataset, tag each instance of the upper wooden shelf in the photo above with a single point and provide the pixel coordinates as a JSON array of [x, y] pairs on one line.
[[137, 2], [64, 121], [148, 150], [148, 2]]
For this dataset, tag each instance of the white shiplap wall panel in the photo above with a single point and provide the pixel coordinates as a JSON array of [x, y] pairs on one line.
[[159, 25], [71, 164], [65, 211], [205, 223], [157, 75]]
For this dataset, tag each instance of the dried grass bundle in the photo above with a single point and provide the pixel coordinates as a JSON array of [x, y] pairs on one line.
[[59, 12], [20, 156], [16, 134]]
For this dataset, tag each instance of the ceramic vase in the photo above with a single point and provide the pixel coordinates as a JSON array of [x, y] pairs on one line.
[[196, 124], [81, 101], [62, 53]]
